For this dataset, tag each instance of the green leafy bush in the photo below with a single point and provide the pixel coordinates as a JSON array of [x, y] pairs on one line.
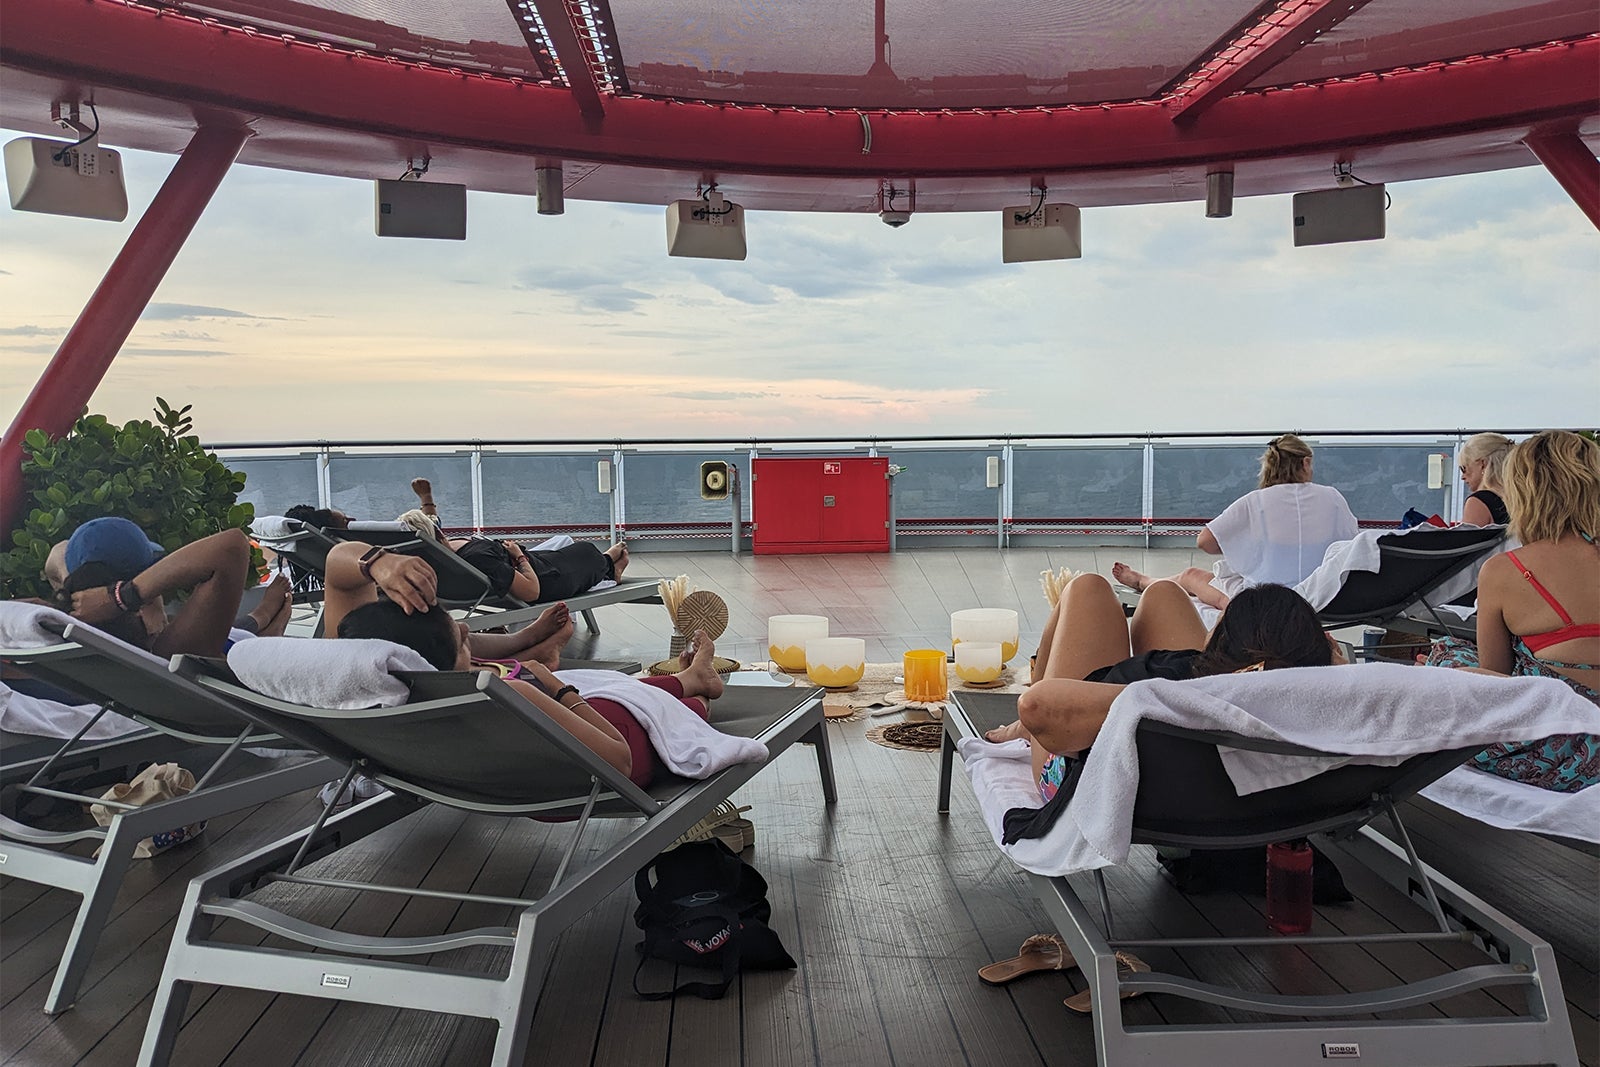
[[154, 473]]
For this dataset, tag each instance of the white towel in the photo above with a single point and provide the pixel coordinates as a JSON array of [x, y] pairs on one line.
[[269, 528], [1379, 713], [28, 625], [687, 744], [24, 714], [1511, 805], [326, 673], [1360, 553]]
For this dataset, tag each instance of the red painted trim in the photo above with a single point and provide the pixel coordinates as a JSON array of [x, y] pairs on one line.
[[59, 396], [1569, 160], [1290, 26], [181, 58], [575, 65]]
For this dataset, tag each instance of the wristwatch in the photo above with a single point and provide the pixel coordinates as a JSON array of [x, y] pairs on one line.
[[372, 556]]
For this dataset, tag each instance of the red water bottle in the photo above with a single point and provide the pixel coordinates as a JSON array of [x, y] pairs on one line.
[[1289, 886]]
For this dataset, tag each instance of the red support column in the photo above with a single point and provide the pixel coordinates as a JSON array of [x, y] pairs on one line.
[[66, 385], [1567, 157]]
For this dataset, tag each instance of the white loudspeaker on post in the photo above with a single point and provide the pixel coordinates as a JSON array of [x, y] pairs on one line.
[[993, 474], [1436, 470], [603, 475]]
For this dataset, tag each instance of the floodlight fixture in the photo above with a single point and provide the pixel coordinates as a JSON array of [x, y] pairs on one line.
[[1219, 194]]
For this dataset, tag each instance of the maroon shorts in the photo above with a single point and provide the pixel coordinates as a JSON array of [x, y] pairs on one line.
[[646, 764]]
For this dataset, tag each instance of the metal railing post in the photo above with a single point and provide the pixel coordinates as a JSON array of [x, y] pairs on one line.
[[324, 481], [1147, 490], [477, 487], [619, 495]]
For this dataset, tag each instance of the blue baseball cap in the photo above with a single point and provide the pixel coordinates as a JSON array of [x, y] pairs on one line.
[[118, 543]]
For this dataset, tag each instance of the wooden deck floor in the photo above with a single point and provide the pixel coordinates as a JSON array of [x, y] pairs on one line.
[[888, 908]]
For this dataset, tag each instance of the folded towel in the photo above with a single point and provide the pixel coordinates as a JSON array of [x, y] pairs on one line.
[[687, 744], [24, 714], [1377, 714], [326, 673], [268, 528], [31, 625]]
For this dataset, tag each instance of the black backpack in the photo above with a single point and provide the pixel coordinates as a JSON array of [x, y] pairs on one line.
[[705, 907]]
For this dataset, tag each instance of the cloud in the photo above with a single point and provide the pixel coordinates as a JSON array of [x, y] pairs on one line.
[[159, 312], [185, 335], [27, 331], [150, 352], [590, 288]]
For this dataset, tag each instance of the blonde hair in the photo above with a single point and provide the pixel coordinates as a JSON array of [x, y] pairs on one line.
[[1553, 486], [1492, 448], [1283, 461], [420, 522]]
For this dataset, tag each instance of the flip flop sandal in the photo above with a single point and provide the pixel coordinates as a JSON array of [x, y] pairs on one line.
[[1041, 952], [1127, 963]]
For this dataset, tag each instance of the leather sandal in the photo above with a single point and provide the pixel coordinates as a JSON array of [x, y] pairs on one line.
[[1127, 963], [1041, 952]]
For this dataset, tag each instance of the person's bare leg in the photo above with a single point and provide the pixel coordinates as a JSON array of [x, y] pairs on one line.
[[1042, 656], [1165, 618], [619, 559], [272, 614], [1090, 632], [699, 676], [1196, 581]]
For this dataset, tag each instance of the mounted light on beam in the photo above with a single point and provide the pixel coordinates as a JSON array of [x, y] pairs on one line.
[[709, 228], [1219, 194], [547, 185], [1040, 231]]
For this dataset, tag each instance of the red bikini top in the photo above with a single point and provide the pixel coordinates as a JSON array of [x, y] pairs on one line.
[[1570, 632]]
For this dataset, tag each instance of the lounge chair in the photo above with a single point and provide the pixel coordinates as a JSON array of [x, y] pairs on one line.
[[469, 741], [136, 684], [1417, 570], [1186, 798]]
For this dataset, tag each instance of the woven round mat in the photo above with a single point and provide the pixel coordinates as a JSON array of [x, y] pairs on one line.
[[911, 737], [702, 610], [723, 665]]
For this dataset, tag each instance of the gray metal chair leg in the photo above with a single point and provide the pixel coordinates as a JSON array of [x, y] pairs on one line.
[[529, 960], [122, 837], [588, 620], [172, 993], [819, 739]]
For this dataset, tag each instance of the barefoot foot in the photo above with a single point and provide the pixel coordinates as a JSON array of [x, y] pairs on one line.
[[272, 614], [550, 622], [1129, 577], [619, 559], [1012, 732], [700, 677]]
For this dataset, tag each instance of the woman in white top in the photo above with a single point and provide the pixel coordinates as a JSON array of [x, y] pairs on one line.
[[1278, 533]]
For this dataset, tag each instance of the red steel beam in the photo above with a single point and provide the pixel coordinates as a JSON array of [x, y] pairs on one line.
[[1567, 157], [568, 47], [1290, 26], [174, 57], [59, 396]]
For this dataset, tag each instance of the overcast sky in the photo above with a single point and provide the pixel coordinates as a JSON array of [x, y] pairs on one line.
[[284, 317]]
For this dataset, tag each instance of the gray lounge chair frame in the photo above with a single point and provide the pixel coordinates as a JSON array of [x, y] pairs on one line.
[[1516, 957], [461, 585], [1411, 568], [469, 741], [134, 683]]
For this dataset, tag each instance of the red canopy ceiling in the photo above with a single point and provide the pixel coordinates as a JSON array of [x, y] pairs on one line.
[[813, 106]]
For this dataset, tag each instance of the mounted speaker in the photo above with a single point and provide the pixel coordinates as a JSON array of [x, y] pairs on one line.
[[62, 178], [716, 480], [420, 209], [1331, 216]]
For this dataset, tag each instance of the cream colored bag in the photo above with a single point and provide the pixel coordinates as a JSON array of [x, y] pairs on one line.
[[157, 782]]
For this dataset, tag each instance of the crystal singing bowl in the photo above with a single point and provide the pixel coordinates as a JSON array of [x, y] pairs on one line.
[[978, 661], [836, 661], [787, 636], [986, 624]]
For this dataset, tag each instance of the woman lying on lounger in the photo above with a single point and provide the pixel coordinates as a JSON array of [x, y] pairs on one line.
[[530, 576], [1278, 533], [1539, 605], [605, 726], [1087, 656]]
